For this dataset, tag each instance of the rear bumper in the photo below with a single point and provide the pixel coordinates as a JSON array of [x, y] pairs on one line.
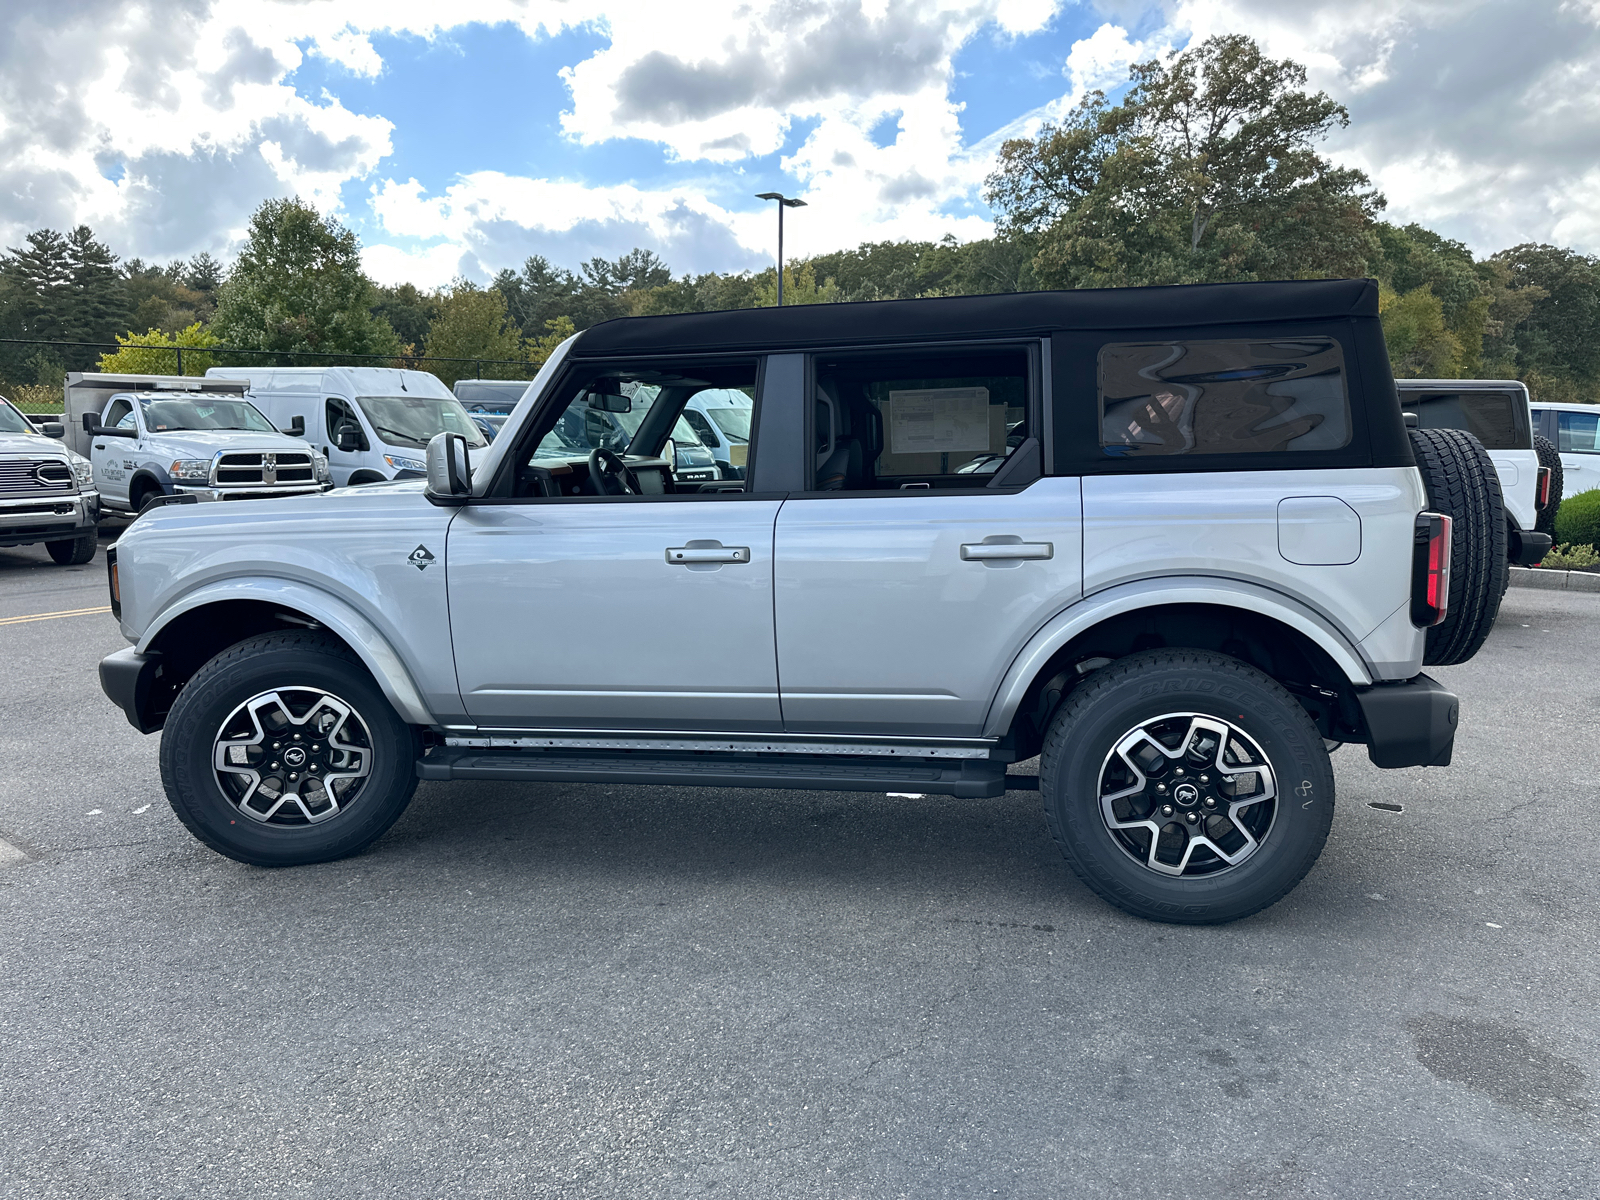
[[129, 679], [1410, 724], [1525, 547]]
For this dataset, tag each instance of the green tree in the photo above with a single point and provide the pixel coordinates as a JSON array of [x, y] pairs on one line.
[[409, 312], [99, 296], [160, 297], [298, 286], [1556, 344], [1205, 171], [473, 324], [155, 353]]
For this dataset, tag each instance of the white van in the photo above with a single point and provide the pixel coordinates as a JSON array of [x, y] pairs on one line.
[[373, 423], [1575, 430], [720, 418]]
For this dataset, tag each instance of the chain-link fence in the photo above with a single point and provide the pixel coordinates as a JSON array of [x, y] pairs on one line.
[[33, 370]]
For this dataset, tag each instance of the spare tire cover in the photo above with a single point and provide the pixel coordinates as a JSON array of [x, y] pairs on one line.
[[1463, 485]]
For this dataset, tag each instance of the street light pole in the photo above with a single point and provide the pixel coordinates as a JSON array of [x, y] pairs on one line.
[[783, 203]]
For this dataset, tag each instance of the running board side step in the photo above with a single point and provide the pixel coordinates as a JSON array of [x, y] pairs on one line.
[[966, 778]]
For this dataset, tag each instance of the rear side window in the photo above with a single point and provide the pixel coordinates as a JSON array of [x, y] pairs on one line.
[[1233, 396], [1491, 417], [1578, 433]]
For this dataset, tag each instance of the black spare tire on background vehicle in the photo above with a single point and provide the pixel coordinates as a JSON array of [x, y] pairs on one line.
[[1464, 486], [1548, 457]]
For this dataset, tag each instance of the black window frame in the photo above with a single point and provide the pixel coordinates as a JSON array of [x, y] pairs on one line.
[[576, 372], [1377, 435], [1036, 404]]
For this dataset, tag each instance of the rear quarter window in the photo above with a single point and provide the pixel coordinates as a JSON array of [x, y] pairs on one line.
[[1491, 417], [1211, 397]]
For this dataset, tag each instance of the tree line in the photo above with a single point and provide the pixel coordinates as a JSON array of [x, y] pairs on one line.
[[1206, 170]]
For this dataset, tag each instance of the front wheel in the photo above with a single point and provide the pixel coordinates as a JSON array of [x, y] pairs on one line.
[[282, 751], [76, 552], [1186, 786]]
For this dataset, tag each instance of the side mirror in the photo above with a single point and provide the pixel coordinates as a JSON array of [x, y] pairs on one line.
[[297, 427], [449, 470], [670, 453], [91, 422], [53, 429], [350, 438], [1411, 420]]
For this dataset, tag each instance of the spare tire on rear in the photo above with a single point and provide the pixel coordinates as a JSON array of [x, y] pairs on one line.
[[1548, 457], [1464, 486]]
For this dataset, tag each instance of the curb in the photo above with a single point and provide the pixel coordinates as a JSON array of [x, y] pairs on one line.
[[1557, 581]]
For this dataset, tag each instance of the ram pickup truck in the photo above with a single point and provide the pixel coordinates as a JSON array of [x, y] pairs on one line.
[[47, 492], [1205, 549]]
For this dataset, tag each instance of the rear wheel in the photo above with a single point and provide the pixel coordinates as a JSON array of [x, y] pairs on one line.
[[76, 552], [1186, 786], [1549, 457], [282, 751], [1464, 486]]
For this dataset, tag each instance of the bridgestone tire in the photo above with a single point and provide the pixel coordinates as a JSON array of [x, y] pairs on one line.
[[1549, 457], [1463, 485], [1141, 688], [76, 552], [303, 660]]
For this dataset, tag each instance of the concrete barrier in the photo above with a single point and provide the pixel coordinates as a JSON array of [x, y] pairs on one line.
[[1555, 581]]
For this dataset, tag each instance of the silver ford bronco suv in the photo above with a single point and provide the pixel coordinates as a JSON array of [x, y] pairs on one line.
[[1174, 542]]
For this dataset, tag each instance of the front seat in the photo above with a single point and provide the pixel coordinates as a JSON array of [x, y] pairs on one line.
[[843, 467]]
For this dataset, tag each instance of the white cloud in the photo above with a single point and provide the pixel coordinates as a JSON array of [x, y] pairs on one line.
[[1479, 118]]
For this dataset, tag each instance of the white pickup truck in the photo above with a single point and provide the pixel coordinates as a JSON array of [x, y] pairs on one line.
[[162, 437]]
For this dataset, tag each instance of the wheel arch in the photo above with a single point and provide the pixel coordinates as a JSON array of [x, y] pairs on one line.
[[209, 620], [1264, 628], [146, 479], [366, 475]]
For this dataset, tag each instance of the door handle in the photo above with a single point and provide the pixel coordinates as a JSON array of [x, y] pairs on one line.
[[716, 553], [1008, 551]]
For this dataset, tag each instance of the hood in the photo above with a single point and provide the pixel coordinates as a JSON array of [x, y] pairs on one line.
[[34, 444], [203, 443]]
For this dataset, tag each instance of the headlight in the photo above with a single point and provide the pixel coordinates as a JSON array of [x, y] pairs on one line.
[[405, 464], [190, 468], [83, 472], [319, 462]]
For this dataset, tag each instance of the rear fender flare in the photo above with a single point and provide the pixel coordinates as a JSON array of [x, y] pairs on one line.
[[374, 650], [1150, 593]]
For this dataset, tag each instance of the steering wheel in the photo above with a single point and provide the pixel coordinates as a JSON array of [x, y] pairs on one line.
[[611, 474]]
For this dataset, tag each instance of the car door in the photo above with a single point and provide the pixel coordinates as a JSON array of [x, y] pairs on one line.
[[109, 456], [582, 611], [339, 413], [1578, 442], [905, 586]]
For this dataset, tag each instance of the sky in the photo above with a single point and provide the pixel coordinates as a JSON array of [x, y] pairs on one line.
[[458, 139]]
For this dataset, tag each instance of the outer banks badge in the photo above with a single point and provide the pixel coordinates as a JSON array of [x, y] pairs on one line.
[[421, 558]]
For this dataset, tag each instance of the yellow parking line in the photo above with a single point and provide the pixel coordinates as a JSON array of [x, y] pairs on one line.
[[70, 612]]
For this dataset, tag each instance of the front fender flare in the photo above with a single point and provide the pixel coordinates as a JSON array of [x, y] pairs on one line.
[[374, 650], [1148, 593]]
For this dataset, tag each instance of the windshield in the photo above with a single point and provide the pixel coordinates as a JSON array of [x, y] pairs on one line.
[[735, 422], [201, 412], [414, 420], [11, 421]]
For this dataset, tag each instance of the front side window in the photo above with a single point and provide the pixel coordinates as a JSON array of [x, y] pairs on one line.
[[1578, 433], [201, 413], [120, 414], [1230, 396], [416, 420], [935, 419]]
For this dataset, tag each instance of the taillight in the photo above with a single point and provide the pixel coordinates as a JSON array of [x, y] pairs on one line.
[[1543, 500], [112, 582], [1430, 570]]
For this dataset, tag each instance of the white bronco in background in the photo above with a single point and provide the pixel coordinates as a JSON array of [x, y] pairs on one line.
[[1174, 541]]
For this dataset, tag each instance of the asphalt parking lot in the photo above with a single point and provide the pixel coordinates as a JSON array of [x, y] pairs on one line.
[[632, 991]]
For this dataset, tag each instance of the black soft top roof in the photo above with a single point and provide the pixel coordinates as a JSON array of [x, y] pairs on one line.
[[1014, 313]]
